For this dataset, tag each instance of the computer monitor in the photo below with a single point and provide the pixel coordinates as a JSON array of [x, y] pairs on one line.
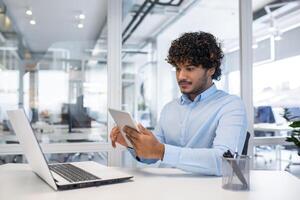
[[77, 115]]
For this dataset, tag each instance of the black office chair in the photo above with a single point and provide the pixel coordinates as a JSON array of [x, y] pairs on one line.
[[245, 148]]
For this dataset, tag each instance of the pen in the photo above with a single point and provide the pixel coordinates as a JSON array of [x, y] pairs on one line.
[[235, 153], [235, 167]]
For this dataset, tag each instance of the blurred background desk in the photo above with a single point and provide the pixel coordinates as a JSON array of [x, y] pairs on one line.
[[268, 127], [271, 148], [60, 133], [59, 144]]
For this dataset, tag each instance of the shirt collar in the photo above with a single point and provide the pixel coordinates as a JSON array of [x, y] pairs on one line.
[[185, 100]]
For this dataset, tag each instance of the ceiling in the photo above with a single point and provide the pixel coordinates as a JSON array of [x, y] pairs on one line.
[[56, 22], [217, 16]]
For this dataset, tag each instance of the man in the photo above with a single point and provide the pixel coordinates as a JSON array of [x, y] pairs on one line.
[[196, 129]]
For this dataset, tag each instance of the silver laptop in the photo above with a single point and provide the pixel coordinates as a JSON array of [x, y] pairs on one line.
[[60, 176]]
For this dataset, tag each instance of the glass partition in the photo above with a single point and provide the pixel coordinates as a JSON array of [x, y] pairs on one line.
[[148, 81], [53, 64], [276, 86]]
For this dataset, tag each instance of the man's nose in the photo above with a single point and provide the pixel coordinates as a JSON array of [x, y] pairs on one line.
[[181, 75]]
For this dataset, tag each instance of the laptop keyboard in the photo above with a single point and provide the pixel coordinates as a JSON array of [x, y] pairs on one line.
[[72, 173]]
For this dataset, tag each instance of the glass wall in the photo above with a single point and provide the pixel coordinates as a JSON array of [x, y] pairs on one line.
[[54, 66], [148, 81], [276, 86], [153, 82], [75, 103]]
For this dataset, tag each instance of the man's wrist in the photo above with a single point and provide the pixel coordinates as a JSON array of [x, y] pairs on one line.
[[161, 151]]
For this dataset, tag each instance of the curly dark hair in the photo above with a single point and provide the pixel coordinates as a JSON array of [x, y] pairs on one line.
[[197, 48]]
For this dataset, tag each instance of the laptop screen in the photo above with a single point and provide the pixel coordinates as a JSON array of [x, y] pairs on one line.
[[30, 145]]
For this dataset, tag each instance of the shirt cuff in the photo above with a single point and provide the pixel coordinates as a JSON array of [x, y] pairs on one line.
[[132, 152], [171, 155], [143, 160]]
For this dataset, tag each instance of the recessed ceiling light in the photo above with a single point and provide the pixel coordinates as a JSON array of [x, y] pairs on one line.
[[254, 45], [81, 16], [277, 37], [32, 22], [80, 25], [272, 29], [28, 12]]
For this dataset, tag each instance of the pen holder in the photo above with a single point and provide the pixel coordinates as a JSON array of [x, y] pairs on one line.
[[236, 173]]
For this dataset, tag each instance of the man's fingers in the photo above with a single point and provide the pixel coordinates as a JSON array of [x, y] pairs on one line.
[[114, 135], [113, 140], [115, 129], [132, 137], [131, 132], [141, 127], [113, 143], [128, 128], [132, 142], [143, 130]]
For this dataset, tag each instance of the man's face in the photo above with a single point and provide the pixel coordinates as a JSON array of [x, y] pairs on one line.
[[193, 80]]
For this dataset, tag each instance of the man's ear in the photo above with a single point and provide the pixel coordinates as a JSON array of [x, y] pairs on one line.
[[211, 71]]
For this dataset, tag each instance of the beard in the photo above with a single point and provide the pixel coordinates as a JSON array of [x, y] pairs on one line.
[[200, 86]]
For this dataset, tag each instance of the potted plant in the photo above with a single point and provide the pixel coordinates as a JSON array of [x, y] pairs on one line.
[[295, 136]]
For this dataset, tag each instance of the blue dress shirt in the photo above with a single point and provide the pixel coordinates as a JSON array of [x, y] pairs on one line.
[[197, 133]]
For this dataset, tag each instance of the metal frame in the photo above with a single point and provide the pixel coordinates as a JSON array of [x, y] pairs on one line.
[[246, 71], [246, 63], [114, 24]]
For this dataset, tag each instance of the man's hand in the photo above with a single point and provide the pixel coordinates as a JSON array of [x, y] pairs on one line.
[[116, 137], [145, 143]]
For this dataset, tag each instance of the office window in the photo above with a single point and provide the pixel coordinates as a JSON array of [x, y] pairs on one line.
[[8, 92], [195, 19], [54, 66], [148, 81], [152, 80], [64, 75], [276, 85], [138, 85]]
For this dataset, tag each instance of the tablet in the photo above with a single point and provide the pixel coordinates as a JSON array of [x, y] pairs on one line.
[[122, 119]]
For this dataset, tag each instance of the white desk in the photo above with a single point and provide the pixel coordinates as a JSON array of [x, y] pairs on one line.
[[272, 127], [18, 182]]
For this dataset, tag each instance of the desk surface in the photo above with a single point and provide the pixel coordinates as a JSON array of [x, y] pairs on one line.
[[19, 182], [271, 127]]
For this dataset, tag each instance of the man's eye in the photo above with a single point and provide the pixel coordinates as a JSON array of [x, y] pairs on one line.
[[190, 69]]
